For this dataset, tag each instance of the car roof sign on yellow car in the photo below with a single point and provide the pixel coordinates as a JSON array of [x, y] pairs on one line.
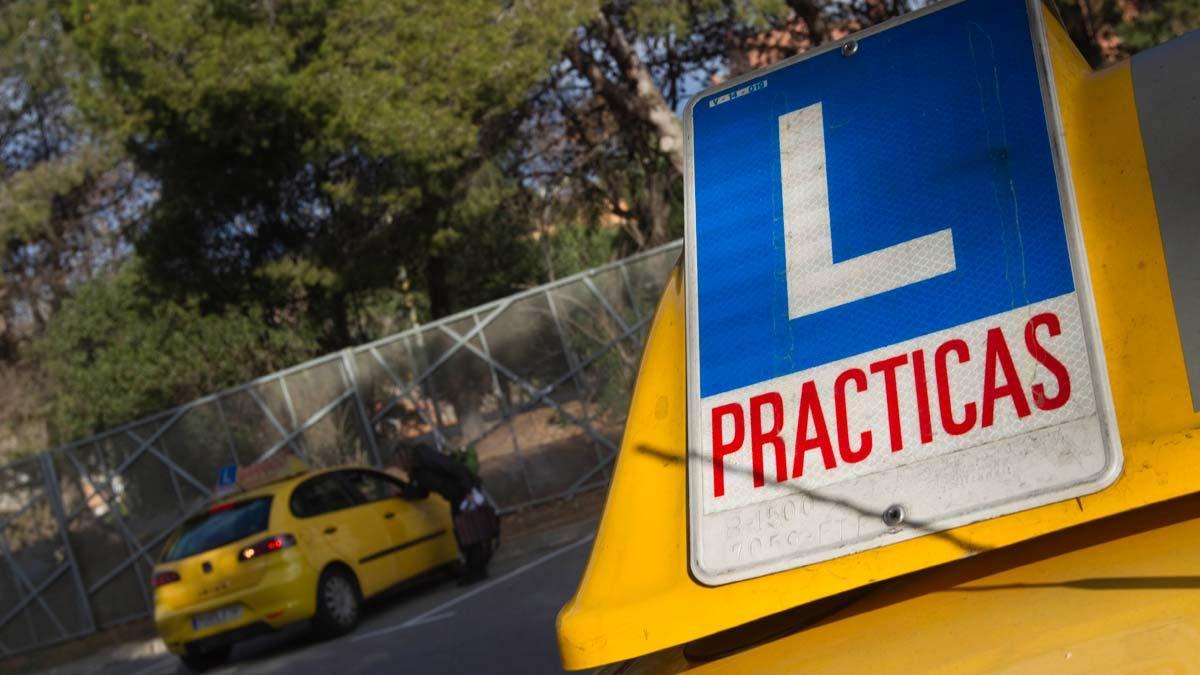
[[638, 594], [276, 468], [280, 466], [898, 328], [227, 479]]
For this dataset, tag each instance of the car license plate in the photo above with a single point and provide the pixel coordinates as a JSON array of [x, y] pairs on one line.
[[216, 617]]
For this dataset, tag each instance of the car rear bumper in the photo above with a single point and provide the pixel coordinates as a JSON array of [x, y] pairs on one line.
[[286, 594], [228, 637]]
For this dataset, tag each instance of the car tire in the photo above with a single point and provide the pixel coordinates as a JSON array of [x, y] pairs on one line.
[[339, 602], [198, 661]]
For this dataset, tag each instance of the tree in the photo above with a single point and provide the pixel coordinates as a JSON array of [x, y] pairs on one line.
[[316, 157], [64, 188], [350, 133], [1147, 23], [114, 352], [67, 192], [340, 169], [1106, 31], [601, 135], [344, 133]]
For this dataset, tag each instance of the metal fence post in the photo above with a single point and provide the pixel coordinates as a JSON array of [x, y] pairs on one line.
[[183, 506], [228, 431], [54, 497], [424, 380], [505, 409], [352, 382], [629, 291], [578, 376], [287, 399]]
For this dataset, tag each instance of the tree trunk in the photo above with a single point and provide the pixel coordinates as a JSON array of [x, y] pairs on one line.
[[654, 211], [440, 300], [810, 14], [464, 380], [340, 312], [648, 101]]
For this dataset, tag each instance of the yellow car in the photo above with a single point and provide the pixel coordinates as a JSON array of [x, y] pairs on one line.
[[307, 547]]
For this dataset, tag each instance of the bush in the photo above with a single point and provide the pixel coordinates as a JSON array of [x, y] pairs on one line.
[[114, 353]]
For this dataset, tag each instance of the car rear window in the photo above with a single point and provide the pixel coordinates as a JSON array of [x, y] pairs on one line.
[[220, 526]]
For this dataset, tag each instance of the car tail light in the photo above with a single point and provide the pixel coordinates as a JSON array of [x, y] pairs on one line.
[[268, 545], [164, 578]]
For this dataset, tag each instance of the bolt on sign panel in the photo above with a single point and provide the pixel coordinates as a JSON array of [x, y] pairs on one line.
[[891, 329]]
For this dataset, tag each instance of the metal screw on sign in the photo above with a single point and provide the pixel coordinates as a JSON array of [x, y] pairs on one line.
[[893, 515], [850, 49]]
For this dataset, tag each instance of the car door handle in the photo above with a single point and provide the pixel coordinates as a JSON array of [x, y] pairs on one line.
[[330, 530], [389, 515]]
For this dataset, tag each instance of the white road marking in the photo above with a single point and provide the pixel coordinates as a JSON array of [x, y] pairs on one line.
[[426, 616], [429, 619]]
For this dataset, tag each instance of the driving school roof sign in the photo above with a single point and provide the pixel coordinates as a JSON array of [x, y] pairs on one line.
[[890, 325]]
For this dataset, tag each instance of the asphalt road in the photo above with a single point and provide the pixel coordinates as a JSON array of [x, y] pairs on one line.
[[502, 625]]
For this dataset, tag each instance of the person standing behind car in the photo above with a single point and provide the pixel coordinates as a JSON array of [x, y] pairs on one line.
[[432, 471]]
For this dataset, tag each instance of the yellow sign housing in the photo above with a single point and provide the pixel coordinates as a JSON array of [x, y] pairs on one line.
[[637, 596]]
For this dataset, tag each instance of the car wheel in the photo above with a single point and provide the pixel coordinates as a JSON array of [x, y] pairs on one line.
[[199, 661], [338, 602]]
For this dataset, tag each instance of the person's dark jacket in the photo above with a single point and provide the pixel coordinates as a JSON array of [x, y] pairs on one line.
[[437, 472]]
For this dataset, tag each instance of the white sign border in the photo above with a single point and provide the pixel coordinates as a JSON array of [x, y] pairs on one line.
[[1105, 410]]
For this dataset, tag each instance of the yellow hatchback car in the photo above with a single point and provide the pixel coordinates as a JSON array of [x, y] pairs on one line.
[[307, 547]]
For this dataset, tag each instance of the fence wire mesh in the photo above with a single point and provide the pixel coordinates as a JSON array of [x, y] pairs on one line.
[[537, 383]]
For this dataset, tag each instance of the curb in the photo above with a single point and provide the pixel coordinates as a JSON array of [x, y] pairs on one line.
[[129, 651], [554, 537]]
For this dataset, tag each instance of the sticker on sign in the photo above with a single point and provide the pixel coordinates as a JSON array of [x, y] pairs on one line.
[[890, 324]]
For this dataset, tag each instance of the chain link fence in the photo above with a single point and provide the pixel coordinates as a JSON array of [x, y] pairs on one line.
[[536, 383]]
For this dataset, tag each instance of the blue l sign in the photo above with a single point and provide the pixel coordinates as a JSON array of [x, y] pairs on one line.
[[940, 195], [880, 275], [815, 281], [228, 476]]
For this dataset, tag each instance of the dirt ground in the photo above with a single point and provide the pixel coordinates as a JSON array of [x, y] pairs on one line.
[[539, 427]]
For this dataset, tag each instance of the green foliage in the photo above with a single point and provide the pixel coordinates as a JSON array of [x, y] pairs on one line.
[[483, 237], [298, 176], [414, 79], [29, 197], [678, 17], [386, 311], [114, 352], [1106, 31], [575, 246], [343, 132], [61, 184], [1159, 21]]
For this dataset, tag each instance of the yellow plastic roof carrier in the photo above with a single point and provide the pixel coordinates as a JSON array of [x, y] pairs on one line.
[[637, 597]]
